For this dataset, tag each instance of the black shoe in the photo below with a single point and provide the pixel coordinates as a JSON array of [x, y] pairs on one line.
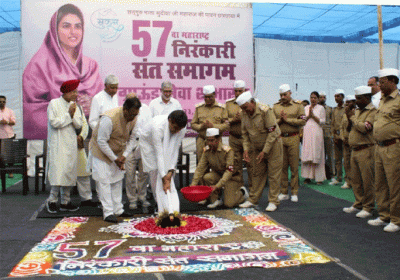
[[89, 203], [68, 207], [307, 181], [111, 219], [51, 207], [126, 214]]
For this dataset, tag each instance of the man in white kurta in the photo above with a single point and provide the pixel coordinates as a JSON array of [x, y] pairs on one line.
[[64, 117], [165, 103], [111, 142], [103, 101], [160, 150]]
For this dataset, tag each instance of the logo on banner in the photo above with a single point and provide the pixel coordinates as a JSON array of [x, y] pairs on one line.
[[107, 24]]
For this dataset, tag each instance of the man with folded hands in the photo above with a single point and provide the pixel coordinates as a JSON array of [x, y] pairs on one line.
[[387, 152], [362, 146]]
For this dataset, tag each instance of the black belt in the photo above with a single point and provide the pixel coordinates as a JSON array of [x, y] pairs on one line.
[[289, 134], [361, 147], [389, 142]]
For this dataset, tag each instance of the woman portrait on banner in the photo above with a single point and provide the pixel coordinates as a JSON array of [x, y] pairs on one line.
[[58, 59], [312, 156]]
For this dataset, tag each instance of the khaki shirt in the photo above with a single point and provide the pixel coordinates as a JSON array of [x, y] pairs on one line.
[[296, 116], [387, 118], [337, 115], [215, 114], [359, 134], [220, 161], [328, 121], [233, 108], [344, 133], [260, 130]]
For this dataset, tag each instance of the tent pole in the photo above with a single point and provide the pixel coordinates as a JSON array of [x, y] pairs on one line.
[[379, 10]]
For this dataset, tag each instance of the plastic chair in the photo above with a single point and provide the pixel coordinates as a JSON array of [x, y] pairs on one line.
[[183, 167], [13, 160], [41, 169]]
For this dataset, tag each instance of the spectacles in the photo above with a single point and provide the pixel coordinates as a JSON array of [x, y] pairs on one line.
[[239, 90]]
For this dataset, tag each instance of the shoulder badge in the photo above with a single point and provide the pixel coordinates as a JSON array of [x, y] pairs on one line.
[[226, 148], [229, 100], [297, 102], [220, 105], [199, 104], [206, 148]]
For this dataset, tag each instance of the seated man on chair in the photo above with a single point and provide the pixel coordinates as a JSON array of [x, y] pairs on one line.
[[220, 159]]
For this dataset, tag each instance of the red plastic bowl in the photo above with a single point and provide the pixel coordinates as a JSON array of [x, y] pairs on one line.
[[196, 193]]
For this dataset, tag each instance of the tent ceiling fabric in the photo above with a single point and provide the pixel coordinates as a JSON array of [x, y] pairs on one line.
[[296, 22]]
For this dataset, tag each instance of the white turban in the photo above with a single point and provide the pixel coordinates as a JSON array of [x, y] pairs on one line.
[[322, 93], [212, 132], [388, 72], [239, 84], [244, 98], [208, 89], [284, 88], [350, 97], [338, 91], [361, 90]]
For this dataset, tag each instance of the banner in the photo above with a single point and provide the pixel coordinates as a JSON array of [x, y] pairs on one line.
[[143, 44]]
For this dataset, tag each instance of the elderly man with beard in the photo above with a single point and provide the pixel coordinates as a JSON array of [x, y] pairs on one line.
[[165, 103], [64, 118]]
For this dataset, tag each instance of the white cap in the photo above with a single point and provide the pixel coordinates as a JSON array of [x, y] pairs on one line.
[[244, 98], [239, 84], [208, 89], [322, 93], [388, 72], [212, 132], [284, 88], [350, 97], [361, 90], [339, 91]]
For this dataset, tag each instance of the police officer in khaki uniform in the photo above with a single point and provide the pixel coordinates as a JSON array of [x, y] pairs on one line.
[[235, 130], [207, 115], [262, 134], [349, 105], [290, 116], [337, 116], [362, 144], [387, 152], [223, 175], [329, 170]]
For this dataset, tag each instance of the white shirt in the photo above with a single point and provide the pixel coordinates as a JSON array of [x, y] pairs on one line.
[[158, 107], [101, 103], [376, 99], [101, 170], [62, 143]]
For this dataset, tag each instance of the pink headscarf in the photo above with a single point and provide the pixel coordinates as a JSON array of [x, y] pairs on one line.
[[44, 75]]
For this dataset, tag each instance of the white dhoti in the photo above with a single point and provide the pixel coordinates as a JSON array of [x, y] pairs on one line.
[[161, 197], [108, 185]]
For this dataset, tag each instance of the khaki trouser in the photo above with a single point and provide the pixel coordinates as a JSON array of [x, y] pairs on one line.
[[387, 182], [338, 150], [232, 193], [346, 163], [135, 190], [270, 167], [237, 146], [291, 154], [200, 144], [362, 174]]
